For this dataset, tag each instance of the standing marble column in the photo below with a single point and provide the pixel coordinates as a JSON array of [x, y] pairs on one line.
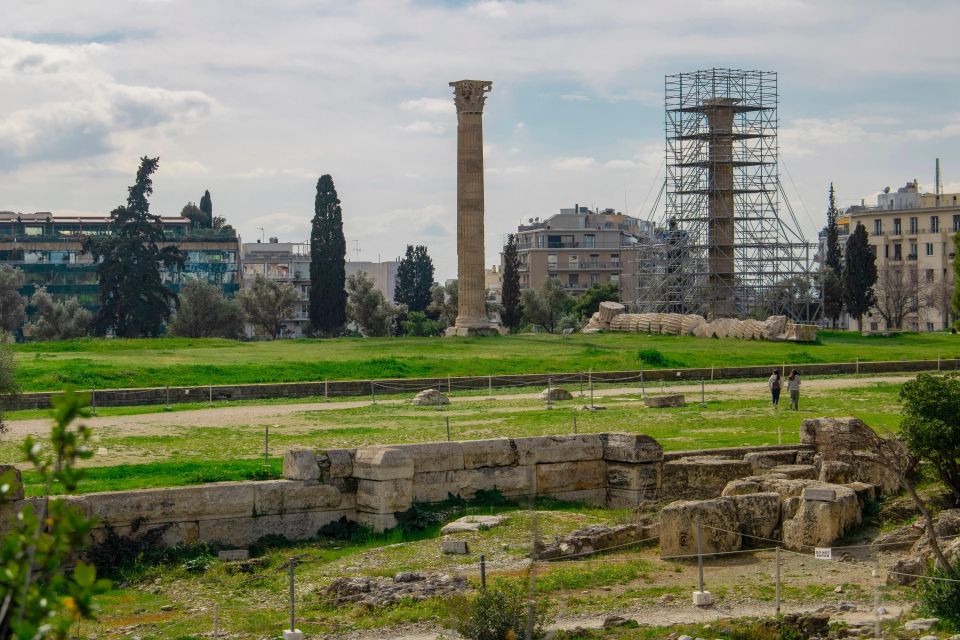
[[469, 96]]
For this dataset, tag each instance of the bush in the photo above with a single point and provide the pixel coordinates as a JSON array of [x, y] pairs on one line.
[[652, 358], [417, 519], [941, 598], [499, 613]]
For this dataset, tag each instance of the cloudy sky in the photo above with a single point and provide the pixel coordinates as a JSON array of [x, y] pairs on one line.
[[255, 100]]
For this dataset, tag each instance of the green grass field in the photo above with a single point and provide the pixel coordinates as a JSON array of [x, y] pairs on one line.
[[190, 454], [102, 364]]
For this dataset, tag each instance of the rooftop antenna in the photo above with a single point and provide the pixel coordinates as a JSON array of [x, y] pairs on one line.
[[261, 233], [356, 249], [937, 178]]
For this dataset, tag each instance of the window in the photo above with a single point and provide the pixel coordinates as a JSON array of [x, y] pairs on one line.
[[594, 259], [874, 326], [929, 326], [589, 241], [913, 250], [929, 248], [914, 225], [551, 261], [898, 251], [929, 275], [956, 223], [615, 259], [594, 278], [934, 224], [615, 279], [574, 279], [574, 260], [33, 231], [878, 227], [897, 227]]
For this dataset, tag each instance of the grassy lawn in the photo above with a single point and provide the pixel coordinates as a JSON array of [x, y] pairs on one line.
[[88, 363], [185, 454]]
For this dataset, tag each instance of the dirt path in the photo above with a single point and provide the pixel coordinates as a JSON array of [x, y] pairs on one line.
[[270, 414]]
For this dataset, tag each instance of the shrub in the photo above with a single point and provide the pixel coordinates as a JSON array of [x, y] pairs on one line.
[[417, 519], [490, 498], [499, 613], [941, 598], [652, 357]]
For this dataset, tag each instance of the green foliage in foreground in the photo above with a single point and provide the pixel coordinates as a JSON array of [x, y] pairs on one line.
[[499, 613], [940, 597], [103, 364], [931, 425], [42, 597]]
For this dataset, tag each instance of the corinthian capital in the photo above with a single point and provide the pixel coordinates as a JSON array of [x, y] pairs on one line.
[[469, 95]]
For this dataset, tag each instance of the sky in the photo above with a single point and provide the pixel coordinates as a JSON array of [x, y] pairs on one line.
[[255, 100]]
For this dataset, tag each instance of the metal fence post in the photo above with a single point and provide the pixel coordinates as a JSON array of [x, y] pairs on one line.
[[216, 621], [168, 396], [549, 394], [581, 384], [373, 391], [777, 573], [483, 572], [590, 380], [574, 425], [293, 611], [643, 386], [210, 394], [448, 428], [701, 597], [266, 444], [93, 400], [490, 386], [703, 399]]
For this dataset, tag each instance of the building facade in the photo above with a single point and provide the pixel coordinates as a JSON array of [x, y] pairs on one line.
[[912, 235], [48, 248], [289, 263], [582, 248]]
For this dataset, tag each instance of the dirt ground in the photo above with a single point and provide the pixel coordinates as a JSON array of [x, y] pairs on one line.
[[290, 415]]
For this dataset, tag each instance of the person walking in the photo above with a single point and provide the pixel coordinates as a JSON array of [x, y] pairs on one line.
[[774, 384], [793, 386]]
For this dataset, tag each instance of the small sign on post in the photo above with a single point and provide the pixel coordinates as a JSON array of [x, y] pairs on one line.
[[820, 495], [823, 553]]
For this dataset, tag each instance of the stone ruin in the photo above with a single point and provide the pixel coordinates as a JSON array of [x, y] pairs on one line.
[[612, 316], [429, 398], [800, 499]]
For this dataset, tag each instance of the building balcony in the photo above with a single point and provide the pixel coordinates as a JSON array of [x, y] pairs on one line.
[[587, 266]]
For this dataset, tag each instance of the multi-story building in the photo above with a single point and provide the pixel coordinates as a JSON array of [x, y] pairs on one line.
[[493, 282], [48, 248], [289, 263], [912, 235], [582, 248]]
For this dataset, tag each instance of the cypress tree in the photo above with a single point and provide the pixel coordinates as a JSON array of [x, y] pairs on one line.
[[414, 279], [328, 249], [206, 206], [133, 299], [859, 274], [832, 272], [510, 292]]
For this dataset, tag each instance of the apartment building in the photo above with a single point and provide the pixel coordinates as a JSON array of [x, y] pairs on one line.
[[289, 263], [48, 248], [912, 235], [582, 248]]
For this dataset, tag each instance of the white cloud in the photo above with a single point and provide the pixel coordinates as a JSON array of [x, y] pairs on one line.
[[574, 97], [578, 163], [429, 105], [422, 126]]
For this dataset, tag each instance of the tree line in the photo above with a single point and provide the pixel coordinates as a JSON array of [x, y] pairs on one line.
[[851, 281]]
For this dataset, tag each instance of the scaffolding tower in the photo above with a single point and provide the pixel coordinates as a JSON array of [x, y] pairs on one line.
[[723, 249]]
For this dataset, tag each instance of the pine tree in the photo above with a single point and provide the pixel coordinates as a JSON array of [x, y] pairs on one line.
[[859, 274], [133, 299], [510, 292], [206, 206], [414, 279], [328, 250]]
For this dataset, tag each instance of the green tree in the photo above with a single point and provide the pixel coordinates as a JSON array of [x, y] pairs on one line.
[[268, 304], [204, 312], [193, 213], [55, 320], [859, 274], [12, 304], [328, 250], [832, 287], [414, 279], [133, 299], [831, 275], [367, 308], [206, 206], [956, 279], [834, 257], [930, 427], [546, 306], [511, 313], [43, 597], [418, 324], [589, 303], [444, 299], [9, 389]]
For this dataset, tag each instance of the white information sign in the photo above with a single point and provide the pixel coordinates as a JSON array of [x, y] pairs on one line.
[[823, 553]]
